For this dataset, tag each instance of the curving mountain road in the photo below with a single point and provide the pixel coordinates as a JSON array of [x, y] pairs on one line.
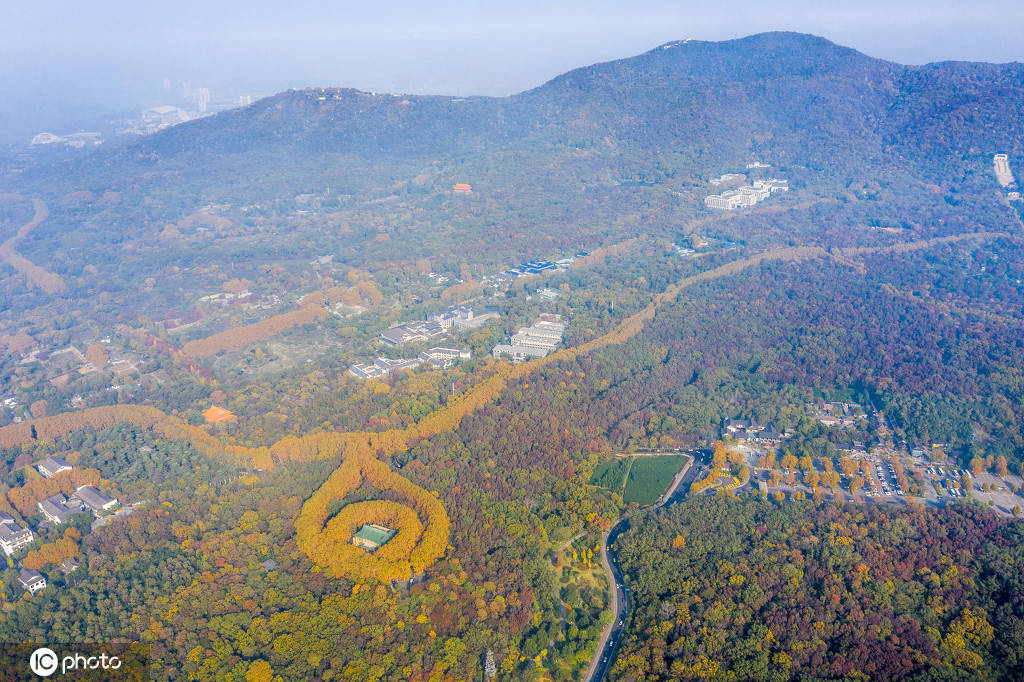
[[607, 646]]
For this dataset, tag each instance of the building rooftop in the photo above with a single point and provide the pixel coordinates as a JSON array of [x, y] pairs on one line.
[[29, 576], [373, 535], [51, 465], [93, 499], [215, 415], [11, 532]]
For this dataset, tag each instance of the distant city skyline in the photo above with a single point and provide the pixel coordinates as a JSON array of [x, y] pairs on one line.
[[64, 59]]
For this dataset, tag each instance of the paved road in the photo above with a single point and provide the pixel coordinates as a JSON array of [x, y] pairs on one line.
[[608, 645], [123, 511]]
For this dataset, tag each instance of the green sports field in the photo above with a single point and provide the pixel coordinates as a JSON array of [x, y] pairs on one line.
[[649, 477]]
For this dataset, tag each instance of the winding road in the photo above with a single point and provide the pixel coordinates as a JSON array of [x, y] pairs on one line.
[[608, 645]]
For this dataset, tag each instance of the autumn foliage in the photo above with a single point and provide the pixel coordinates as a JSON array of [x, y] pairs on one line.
[[51, 553], [24, 499], [174, 352], [97, 355], [364, 291], [326, 541], [423, 525], [48, 428], [461, 291], [237, 337], [50, 282]]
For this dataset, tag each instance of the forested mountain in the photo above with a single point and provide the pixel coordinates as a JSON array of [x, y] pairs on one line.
[[798, 98], [601, 153], [179, 316]]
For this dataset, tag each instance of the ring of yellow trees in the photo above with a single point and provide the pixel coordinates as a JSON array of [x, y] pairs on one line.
[[422, 524], [392, 558]]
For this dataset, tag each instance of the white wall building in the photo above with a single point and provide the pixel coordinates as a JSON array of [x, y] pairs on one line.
[[1002, 167], [443, 357]]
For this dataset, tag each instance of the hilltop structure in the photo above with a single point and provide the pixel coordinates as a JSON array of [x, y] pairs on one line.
[[216, 415]]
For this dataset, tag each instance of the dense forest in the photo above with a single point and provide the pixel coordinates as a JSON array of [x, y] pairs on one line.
[[749, 589]]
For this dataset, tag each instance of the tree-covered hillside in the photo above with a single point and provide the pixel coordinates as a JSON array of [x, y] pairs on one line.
[[747, 589]]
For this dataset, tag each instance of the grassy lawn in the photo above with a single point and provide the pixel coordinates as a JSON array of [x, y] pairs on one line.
[[610, 474], [650, 477]]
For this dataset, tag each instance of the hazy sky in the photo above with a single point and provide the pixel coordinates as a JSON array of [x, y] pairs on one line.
[[65, 58]]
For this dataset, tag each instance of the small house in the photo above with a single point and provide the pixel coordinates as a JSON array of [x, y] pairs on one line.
[[33, 581]]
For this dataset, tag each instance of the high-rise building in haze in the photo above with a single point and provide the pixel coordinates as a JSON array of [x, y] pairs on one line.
[[204, 99]]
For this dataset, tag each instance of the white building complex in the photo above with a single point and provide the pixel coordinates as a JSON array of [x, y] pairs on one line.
[[535, 341], [443, 358], [384, 366], [461, 318], [1002, 167], [439, 357], [744, 197]]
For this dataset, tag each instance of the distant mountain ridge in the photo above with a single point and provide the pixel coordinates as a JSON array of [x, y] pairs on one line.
[[788, 95]]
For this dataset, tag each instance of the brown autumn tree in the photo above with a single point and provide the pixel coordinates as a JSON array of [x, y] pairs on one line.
[[237, 337]]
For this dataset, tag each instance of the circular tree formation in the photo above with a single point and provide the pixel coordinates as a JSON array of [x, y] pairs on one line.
[[421, 523], [391, 561]]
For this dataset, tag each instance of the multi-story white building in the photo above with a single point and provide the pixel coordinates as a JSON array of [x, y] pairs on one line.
[[475, 321], [12, 536], [59, 509], [51, 466], [727, 178], [384, 366], [33, 581], [366, 371], [443, 357], [1002, 167], [747, 196], [535, 341], [91, 498]]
